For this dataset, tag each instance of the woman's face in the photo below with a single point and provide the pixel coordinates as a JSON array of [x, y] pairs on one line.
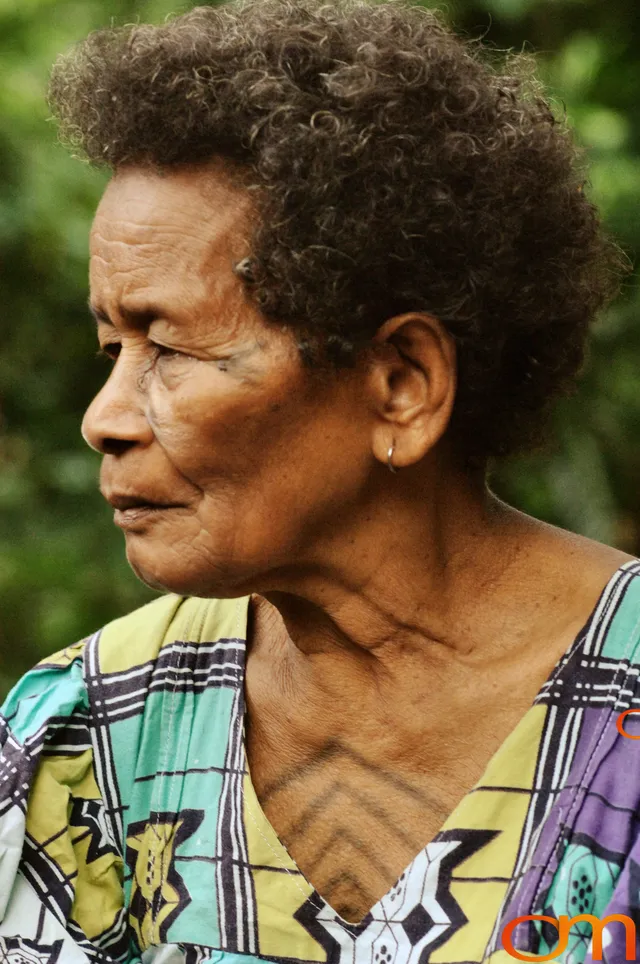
[[207, 411]]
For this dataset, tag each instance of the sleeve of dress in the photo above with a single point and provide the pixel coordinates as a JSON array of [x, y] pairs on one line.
[[61, 894]]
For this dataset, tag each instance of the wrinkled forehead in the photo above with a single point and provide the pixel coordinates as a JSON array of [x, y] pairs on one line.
[[190, 225]]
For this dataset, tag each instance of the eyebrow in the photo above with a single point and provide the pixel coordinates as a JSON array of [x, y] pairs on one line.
[[137, 319], [98, 314]]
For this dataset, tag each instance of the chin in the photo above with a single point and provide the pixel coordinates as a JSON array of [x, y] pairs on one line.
[[186, 582]]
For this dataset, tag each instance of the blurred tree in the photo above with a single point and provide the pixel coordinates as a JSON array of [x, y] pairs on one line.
[[586, 52], [62, 566]]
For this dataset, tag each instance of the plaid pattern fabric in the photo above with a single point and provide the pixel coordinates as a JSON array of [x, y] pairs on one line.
[[130, 829]]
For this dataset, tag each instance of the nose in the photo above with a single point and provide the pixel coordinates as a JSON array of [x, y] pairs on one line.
[[116, 420]]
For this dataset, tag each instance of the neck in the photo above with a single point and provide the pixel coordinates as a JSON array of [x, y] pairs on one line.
[[416, 572], [455, 594]]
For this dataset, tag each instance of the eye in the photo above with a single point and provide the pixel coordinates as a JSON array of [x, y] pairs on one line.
[[162, 351], [110, 350]]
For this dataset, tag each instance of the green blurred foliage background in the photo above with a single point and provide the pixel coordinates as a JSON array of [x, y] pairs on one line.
[[63, 571]]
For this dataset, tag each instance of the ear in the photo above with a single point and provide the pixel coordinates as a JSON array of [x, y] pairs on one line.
[[412, 369]]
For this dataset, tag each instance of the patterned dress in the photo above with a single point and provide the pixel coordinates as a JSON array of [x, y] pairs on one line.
[[130, 829]]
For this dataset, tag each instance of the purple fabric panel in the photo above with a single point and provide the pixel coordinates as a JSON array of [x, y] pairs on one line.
[[600, 754]]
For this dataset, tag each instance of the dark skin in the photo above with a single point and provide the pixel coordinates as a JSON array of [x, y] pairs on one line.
[[370, 591]]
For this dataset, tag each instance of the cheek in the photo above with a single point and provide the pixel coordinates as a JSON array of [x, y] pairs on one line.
[[208, 428]]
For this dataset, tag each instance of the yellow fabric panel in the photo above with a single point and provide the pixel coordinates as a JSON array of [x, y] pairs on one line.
[[65, 656], [224, 618], [98, 887], [138, 637], [480, 903], [84, 784], [49, 798], [278, 894], [505, 810], [99, 894], [278, 897], [501, 957], [265, 848], [514, 763], [487, 810]]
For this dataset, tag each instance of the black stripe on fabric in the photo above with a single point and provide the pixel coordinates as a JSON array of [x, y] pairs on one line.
[[46, 843], [126, 713], [633, 813], [121, 808], [251, 935], [104, 767], [44, 875], [234, 880], [17, 766], [36, 741], [135, 704], [65, 750], [168, 680], [198, 659], [41, 920], [68, 737], [481, 880], [491, 789], [113, 945], [181, 773], [179, 667], [198, 858]]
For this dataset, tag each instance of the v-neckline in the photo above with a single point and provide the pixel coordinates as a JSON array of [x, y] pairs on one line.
[[284, 858]]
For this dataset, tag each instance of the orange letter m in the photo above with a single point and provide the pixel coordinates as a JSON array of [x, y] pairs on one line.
[[564, 923], [597, 925]]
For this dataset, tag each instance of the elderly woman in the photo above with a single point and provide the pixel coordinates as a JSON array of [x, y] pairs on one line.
[[343, 263]]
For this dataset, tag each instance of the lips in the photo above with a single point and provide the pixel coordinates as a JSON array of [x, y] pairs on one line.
[[135, 513], [124, 502]]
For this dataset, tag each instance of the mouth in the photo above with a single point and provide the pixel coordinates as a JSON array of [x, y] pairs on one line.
[[132, 510], [124, 503]]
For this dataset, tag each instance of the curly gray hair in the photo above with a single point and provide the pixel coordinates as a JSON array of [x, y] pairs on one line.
[[395, 169]]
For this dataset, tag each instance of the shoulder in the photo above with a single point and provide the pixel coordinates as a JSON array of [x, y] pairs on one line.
[[52, 691], [57, 688], [619, 611], [139, 638], [613, 629]]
